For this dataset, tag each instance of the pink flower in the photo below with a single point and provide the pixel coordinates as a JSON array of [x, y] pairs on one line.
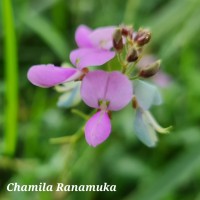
[[94, 46], [106, 92]]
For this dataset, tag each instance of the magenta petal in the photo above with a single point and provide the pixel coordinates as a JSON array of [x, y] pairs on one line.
[[102, 37], [86, 57], [93, 87], [113, 87], [119, 91], [97, 128], [49, 75], [82, 36]]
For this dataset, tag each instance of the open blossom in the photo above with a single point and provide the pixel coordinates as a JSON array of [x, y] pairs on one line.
[[145, 125], [105, 92], [93, 46]]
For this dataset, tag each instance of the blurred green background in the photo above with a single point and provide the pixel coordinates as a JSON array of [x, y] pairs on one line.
[[42, 31]]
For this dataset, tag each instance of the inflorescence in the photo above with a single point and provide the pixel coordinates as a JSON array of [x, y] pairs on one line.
[[107, 91]]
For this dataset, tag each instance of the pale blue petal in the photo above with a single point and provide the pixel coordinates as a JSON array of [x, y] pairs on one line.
[[70, 98], [143, 130], [146, 94]]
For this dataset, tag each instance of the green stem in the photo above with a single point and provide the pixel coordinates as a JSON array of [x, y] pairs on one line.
[[134, 77], [130, 69], [11, 78], [80, 114], [76, 136], [68, 139]]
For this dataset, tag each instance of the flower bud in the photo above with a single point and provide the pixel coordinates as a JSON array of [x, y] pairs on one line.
[[117, 40], [132, 55], [142, 37], [127, 31], [151, 70]]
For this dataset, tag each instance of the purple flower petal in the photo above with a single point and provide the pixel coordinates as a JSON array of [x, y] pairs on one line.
[[49, 75], [97, 128], [102, 37], [113, 87], [86, 57], [119, 91], [93, 87], [82, 36]]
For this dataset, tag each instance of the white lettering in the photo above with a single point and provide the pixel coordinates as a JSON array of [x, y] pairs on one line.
[[106, 187], [8, 187], [90, 188], [81, 188], [113, 188], [59, 187]]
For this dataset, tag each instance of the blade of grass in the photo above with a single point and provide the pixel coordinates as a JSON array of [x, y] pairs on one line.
[[11, 78]]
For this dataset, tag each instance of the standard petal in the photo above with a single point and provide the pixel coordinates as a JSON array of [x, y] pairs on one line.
[[146, 94], [112, 87], [102, 37], [143, 130], [82, 36], [97, 129], [86, 57], [93, 87], [49, 75], [119, 91]]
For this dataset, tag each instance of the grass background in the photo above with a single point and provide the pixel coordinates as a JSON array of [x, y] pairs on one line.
[[36, 31]]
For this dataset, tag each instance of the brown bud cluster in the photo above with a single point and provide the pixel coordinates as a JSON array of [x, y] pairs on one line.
[[134, 43]]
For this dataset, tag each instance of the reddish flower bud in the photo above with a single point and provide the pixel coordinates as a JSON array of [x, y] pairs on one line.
[[151, 70], [127, 31], [117, 40], [132, 55], [142, 37]]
